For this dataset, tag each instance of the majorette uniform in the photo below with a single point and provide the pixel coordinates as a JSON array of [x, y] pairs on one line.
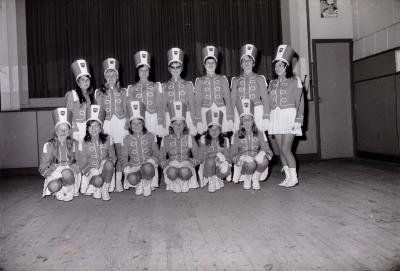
[[182, 152], [94, 155], [220, 154], [254, 146], [149, 93], [254, 87], [212, 92], [79, 68], [138, 150], [286, 99], [57, 157], [177, 91]]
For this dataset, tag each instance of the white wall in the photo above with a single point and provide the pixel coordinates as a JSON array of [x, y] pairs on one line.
[[376, 25]]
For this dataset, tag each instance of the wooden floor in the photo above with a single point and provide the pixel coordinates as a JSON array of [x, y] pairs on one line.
[[344, 215]]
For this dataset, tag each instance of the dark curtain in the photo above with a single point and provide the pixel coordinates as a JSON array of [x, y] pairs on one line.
[[58, 32]]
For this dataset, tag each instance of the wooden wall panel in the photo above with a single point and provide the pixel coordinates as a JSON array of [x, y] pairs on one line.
[[375, 66]]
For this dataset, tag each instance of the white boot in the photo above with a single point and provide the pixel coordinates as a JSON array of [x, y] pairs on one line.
[[285, 169], [292, 178], [112, 184], [246, 182], [211, 184], [104, 191], [185, 186], [97, 193], [139, 188], [118, 182], [256, 180], [146, 188]]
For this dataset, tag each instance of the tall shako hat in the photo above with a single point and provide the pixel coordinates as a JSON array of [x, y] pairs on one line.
[[177, 111], [284, 53], [209, 51], [136, 110], [62, 115], [79, 68], [110, 64], [214, 117], [142, 58], [245, 107], [248, 50], [175, 55], [95, 112]]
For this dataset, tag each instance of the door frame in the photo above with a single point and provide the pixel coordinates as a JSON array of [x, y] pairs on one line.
[[316, 92]]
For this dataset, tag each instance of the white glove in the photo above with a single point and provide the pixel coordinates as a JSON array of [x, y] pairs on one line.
[[246, 158], [224, 167], [94, 172], [221, 157], [296, 127], [259, 157]]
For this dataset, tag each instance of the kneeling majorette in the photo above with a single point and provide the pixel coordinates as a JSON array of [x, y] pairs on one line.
[[250, 151], [139, 152], [97, 156], [214, 153], [182, 151], [58, 162]]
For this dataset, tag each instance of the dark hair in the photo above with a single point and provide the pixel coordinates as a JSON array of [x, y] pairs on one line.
[[70, 144], [221, 139], [104, 86], [144, 131], [242, 131], [82, 98], [171, 130], [289, 70], [88, 137]]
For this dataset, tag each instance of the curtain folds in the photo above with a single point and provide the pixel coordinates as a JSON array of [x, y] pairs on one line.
[[58, 32]]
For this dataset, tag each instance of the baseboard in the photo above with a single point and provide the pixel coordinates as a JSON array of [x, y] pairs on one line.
[[379, 156], [4, 172]]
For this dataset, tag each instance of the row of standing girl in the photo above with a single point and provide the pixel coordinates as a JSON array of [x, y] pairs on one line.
[[249, 109]]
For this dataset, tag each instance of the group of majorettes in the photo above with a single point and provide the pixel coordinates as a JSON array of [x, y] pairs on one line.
[[106, 140]]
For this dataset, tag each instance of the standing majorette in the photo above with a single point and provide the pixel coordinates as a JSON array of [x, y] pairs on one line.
[[139, 152], [212, 92], [214, 153], [97, 156], [146, 91], [250, 85], [287, 109], [80, 98], [182, 151], [176, 90], [112, 98], [250, 151], [58, 162]]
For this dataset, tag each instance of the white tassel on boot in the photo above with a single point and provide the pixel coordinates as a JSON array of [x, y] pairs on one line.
[[104, 191], [256, 180], [112, 184], [292, 178], [139, 189], [246, 182], [146, 188], [185, 186], [97, 193], [285, 169], [212, 184], [118, 182]]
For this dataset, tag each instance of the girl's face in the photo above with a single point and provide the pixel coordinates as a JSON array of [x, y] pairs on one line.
[[144, 72], [247, 122], [94, 128], [210, 64], [247, 64], [178, 126], [84, 82], [62, 131], [137, 126], [280, 68], [111, 77], [175, 69], [214, 131]]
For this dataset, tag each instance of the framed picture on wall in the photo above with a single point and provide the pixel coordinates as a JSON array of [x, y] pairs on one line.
[[329, 8]]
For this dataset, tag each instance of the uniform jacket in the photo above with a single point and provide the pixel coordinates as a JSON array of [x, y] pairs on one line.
[[180, 149], [78, 109], [287, 93], [253, 87], [113, 102], [210, 151], [249, 145], [94, 153], [137, 149], [209, 90], [147, 93], [55, 154]]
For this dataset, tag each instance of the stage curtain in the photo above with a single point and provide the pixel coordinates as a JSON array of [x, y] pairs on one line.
[[58, 32]]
